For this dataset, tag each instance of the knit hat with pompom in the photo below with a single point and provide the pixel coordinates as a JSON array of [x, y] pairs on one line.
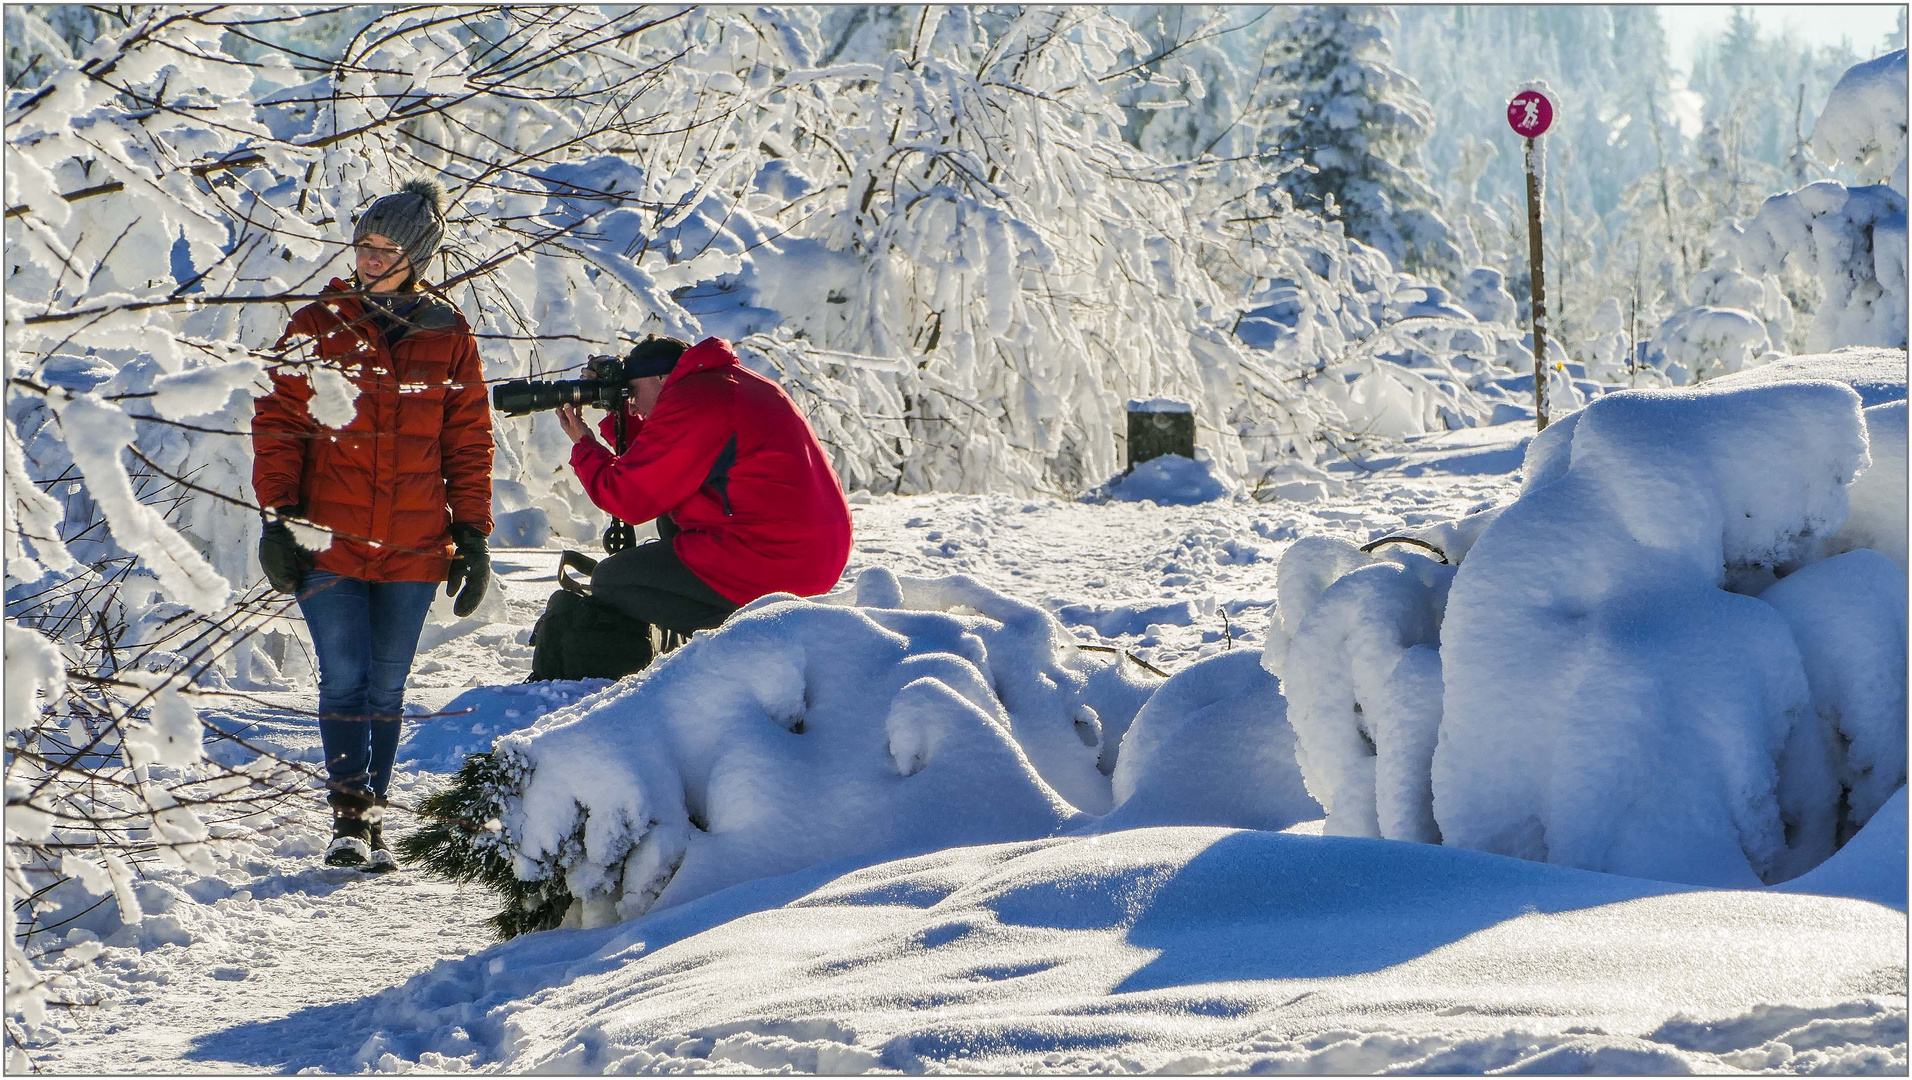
[[412, 219]]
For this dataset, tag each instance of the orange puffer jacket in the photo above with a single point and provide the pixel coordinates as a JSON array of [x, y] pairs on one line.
[[416, 457]]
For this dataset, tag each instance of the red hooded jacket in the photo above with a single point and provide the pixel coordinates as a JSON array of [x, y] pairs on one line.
[[415, 457], [734, 463]]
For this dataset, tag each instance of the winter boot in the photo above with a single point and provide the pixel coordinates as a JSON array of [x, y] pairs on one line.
[[380, 861], [350, 828]]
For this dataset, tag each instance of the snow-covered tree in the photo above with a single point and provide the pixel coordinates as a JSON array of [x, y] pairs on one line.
[[1634, 211], [1196, 85], [1358, 124], [1850, 239]]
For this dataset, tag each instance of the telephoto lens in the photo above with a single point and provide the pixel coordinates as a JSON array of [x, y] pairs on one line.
[[606, 391], [521, 396]]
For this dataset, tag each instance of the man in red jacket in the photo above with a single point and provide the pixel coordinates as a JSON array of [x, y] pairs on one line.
[[745, 500]]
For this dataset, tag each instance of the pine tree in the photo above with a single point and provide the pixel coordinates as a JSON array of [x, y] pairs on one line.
[[1358, 126]]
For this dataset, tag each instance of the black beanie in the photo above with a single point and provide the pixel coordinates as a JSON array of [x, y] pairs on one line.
[[653, 356]]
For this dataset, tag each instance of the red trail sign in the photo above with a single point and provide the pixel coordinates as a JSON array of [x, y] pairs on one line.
[[1530, 113]]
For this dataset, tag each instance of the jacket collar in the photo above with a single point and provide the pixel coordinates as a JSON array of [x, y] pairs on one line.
[[707, 355], [418, 306]]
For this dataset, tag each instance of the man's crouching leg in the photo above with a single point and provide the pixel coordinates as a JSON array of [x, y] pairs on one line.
[[650, 583]]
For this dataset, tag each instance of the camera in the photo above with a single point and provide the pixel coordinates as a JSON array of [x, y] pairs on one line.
[[606, 388]]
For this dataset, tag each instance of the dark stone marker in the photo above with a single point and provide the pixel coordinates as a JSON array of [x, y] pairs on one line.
[[1160, 427]]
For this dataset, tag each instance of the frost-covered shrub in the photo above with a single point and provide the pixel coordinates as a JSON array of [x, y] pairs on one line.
[[1606, 349], [1852, 239], [1364, 668], [1863, 124], [932, 712], [1847, 614], [1646, 664], [1377, 354], [1356, 639], [1735, 322]]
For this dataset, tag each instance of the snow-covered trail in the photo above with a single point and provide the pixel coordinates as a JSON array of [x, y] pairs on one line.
[[261, 967], [274, 934]]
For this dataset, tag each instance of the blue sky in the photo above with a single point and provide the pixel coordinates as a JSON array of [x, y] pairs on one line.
[[1865, 25]]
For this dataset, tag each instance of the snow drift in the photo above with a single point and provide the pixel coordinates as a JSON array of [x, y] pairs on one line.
[[1167, 950]]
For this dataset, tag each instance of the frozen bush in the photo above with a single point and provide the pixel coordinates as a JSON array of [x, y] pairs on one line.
[[1848, 616], [934, 712], [1878, 515], [1647, 663], [1863, 123], [1608, 703], [1364, 691]]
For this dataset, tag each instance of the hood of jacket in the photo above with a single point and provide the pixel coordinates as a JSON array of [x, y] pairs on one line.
[[707, 355]]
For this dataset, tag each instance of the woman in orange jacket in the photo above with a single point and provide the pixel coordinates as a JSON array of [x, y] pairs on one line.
[[401, 487]]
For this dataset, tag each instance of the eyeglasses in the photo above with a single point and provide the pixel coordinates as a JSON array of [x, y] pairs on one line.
[[379, 251]]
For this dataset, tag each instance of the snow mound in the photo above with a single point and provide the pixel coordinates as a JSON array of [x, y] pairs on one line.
[[1871, 866], [1878, 497], [1211, 747], [1169, 480], [1647, 664], [1876, 375], [1176, 950], [1608, 703], [937, 713]]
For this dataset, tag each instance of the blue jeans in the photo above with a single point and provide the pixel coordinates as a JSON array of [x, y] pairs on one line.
[[365, 633]]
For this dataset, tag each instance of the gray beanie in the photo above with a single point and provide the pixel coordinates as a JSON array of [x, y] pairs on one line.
[[411, 219]]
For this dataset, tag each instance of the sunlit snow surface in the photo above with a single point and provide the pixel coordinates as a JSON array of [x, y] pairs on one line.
[[1171, 948], [1183, 949]]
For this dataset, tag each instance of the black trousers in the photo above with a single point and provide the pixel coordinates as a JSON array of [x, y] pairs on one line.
[[650, 583]]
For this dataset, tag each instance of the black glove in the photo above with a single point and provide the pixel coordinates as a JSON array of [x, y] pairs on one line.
[[472, 566], [280, 555]]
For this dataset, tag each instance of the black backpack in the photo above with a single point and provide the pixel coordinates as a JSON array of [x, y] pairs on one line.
[[579, 637]]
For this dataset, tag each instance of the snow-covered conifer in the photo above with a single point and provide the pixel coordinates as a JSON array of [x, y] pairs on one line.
[[1358, 123]]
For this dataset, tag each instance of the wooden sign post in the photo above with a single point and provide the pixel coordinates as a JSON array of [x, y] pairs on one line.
[[1530, 114]]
